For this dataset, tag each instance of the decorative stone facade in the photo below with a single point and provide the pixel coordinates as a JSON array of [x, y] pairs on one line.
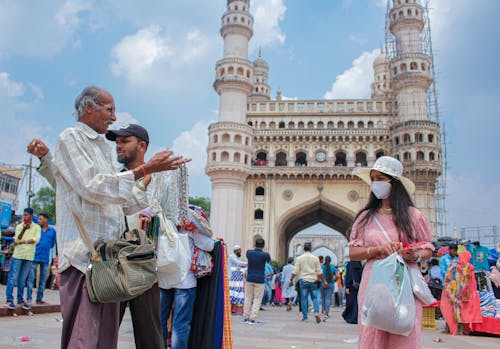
[[279, 166]]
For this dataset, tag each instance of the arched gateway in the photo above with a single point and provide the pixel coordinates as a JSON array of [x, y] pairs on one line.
[[278, 166]]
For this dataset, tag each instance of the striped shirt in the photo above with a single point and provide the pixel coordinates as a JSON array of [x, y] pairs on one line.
[[88, 184]]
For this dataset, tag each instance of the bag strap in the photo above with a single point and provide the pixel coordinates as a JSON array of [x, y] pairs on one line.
[[85, 237], [381, 227]]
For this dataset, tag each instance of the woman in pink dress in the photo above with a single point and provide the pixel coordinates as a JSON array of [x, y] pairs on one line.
[[390, 202]]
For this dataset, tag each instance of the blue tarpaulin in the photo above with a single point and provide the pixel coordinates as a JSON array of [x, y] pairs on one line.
[[5, 213]]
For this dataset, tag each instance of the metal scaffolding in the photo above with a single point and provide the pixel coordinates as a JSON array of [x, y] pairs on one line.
[[425, 43]]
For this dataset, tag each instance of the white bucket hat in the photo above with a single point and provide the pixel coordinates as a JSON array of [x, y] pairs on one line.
[[389, 166]]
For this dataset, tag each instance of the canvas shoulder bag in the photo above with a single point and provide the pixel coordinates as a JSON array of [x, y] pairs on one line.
[[119, 270]]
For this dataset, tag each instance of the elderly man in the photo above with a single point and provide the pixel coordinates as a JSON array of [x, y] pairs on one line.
[[236, 290], [87, 184]]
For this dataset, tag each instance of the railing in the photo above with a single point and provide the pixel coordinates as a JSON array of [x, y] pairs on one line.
[[321, 106]]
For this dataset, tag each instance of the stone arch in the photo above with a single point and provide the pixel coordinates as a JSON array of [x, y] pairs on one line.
[[317, 210]]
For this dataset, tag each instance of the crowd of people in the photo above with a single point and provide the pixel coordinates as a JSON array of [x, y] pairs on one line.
[[309, 282], [30, 252]]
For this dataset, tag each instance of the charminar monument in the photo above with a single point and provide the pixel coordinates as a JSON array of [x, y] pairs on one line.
[[279, 166]]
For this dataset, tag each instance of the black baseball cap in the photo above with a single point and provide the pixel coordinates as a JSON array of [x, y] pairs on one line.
[[129, 130]]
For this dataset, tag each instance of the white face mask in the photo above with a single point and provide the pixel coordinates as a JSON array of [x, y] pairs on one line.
[[381, 189]]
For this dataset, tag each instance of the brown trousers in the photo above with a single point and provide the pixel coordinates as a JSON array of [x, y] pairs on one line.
[[86, 325], [145, 313]]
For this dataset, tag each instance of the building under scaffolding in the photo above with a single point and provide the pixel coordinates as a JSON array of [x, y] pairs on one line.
[[408, 46]]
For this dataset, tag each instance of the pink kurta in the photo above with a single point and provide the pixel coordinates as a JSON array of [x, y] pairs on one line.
[[371, 236]]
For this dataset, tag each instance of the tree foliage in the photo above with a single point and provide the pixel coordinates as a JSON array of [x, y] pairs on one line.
[[203, 202], [45, 201]]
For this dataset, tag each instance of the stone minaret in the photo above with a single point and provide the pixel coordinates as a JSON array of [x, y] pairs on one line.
[[416, 138], [230, 139], [381, 87], [261, 90]]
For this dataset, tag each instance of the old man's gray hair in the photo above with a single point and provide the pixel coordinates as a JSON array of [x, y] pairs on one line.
[[90, 97]]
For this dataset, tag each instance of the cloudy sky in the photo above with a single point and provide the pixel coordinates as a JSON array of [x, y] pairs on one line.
[[157, 58]]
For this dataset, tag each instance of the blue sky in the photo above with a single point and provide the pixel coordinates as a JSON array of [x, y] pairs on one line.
[[157, 58]]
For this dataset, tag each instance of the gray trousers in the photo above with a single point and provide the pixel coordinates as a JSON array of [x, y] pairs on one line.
[[145, 313], [86, 325]]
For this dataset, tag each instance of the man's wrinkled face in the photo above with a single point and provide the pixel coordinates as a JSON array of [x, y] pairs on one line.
[[127, 149], [238, 253], [103, 115]]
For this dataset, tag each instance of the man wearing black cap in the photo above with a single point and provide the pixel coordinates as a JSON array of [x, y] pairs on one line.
[[26, 238], [131, 145]]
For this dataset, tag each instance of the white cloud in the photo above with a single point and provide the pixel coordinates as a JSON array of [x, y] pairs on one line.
[[355, 81], [41, 29], [69, 14], [122, 119], [10, 88], [136, 53], [193, 144], [267, 16]]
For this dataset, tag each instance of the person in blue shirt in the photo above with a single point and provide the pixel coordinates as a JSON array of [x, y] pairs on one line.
[[254, 289], [329, 278], [447, 259], [42, 256]]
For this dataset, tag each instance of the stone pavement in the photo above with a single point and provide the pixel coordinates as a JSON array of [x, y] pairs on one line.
[[279, 329]]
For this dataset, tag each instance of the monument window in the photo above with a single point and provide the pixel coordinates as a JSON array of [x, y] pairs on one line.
[[214, 156], [340, 159], [259, 191], [259, 214], [370, 124], [230, 70], [224, 156], [396, 140], [406, 138], [321, 124], [361, 124], [350, 124], [301, 159], [215, 138], [281, 159], [237, 157], [330, 125], [430, 138], [340, 124], [407, 156], [432, 156], [420, 155], [225, 138], [291, 124], [310, 124], [379, 154], [301, 124], [237, 139], [281, 124], [361, 159], [419, 137], [272, 124]]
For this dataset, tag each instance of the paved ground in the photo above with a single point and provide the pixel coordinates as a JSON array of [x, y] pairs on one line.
[[279, 329]]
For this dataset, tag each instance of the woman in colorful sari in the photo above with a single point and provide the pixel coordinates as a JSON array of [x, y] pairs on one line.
[[460, 301]]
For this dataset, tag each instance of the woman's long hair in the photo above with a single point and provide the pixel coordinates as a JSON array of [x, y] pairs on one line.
[[328, 269], [400, 204]]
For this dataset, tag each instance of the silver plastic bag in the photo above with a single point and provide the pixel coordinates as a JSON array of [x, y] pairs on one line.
[[420, 288], [388, 303]]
